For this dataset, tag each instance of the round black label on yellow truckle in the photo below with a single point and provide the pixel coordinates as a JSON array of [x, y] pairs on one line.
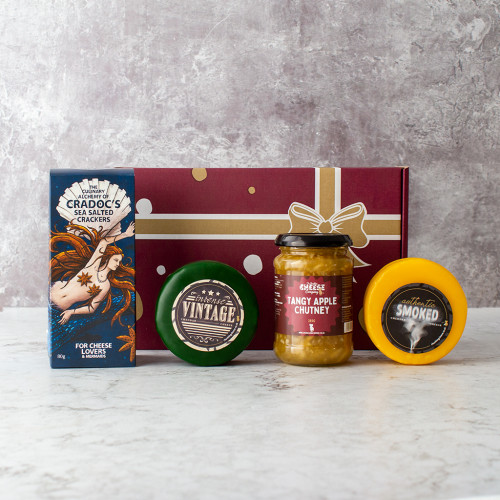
[[414, 311], [206, 313], [417, 318]]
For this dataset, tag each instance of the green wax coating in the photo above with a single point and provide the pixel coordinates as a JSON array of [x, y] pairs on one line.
[[221, 280]]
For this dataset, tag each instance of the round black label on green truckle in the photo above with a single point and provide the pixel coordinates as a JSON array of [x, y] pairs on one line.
[[206, 313], [417, 318]]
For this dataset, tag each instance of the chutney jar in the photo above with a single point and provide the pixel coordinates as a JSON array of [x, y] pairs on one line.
[[313, 299]]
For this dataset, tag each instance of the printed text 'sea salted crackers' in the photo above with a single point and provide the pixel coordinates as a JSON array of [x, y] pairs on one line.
[[92, 269]]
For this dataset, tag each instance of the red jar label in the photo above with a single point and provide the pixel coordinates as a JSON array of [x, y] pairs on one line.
[[313, 305]]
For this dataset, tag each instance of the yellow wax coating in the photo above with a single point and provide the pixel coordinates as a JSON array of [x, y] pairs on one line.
[[398, 274], [311, 350]]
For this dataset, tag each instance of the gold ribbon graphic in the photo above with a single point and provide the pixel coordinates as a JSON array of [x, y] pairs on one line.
[[352, 220], [349, 220]]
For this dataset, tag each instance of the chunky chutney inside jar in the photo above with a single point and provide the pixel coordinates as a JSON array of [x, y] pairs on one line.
[[313, 309]]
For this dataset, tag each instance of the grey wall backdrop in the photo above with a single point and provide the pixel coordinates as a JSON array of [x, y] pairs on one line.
[[91, 84]]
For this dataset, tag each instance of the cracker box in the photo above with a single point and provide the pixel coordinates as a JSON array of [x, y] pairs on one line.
[[92, 269], [233, 216]]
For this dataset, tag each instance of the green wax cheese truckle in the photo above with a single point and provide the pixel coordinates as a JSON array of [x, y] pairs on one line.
[[206, 313]]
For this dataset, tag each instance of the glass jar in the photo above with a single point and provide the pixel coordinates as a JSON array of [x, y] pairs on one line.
[[312, 294]]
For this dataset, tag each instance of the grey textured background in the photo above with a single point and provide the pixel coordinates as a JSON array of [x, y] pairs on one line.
[[91, 84]]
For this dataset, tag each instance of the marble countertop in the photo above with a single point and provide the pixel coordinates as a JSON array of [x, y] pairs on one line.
[[257, 428]]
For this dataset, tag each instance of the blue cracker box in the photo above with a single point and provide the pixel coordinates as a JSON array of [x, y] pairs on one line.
[[92, 269]]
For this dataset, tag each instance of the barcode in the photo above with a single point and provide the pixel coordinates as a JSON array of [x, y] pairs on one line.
[[348, 327]]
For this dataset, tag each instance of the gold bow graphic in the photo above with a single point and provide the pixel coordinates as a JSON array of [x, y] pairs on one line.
[[349, 220]]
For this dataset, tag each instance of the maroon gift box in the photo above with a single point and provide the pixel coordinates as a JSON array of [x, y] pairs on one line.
[[232, 215]]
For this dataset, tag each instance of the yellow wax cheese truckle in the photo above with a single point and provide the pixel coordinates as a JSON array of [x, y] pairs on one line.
[[415, 311]]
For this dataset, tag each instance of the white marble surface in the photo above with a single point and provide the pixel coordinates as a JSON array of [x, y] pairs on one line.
[[371, 429]]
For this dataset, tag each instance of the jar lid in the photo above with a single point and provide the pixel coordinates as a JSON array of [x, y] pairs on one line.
[[312, 240], [206, 313], [415, 311]]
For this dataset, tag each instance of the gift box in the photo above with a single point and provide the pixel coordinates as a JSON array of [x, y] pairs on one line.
[[233, 215]]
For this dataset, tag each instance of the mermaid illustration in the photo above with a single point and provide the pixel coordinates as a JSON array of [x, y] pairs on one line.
[[84, 278]]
